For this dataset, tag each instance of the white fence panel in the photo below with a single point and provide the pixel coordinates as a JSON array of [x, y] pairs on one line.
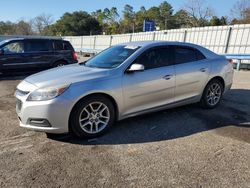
[[147, 36], [231, 39], [117, 39], [102, 42]]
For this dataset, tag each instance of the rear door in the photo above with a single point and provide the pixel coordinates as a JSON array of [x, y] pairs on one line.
[[192, 71], [63, 50], [12, 58], [152, 87], [39, 54]]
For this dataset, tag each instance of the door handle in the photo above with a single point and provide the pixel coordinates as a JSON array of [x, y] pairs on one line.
[[167, 77], [203, 69]]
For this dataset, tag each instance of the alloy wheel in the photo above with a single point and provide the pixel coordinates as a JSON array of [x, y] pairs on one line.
[[214, 94], [94, 117]]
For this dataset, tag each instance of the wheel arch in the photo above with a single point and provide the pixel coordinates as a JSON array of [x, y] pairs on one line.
[[59, 60], [219, 78], [96, 94]]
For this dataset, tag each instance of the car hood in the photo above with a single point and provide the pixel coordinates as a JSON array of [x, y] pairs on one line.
[[66, 75]]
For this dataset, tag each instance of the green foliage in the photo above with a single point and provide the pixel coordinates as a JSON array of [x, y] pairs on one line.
[[128, 20], [7, 28], [20, 28], [76, 23], [108, 20], [195, 13], [182, 19]]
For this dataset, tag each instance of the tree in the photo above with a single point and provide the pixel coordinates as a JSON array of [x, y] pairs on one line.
[[7, 28], [154, 14], [41, 23], [215, 21], [224, 20], [108, 20], [75, 24], [241, 12], [161, 15], [98, 15], [140, 16], [166, 11], [20, 28], [113, 15], [182, 19], [23, 28], [128, 22], [199, 12]]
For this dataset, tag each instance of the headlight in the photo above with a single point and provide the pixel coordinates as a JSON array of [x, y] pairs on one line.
[[45, 94]]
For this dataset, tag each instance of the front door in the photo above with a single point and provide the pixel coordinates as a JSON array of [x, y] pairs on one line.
[[12, 58], [152, 87]]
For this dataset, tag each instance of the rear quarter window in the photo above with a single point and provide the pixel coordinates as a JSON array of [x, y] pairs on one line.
[[185, 55], [67, 46], [62, 45]]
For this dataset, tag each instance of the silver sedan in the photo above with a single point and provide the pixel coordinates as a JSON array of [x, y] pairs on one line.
[[122, 81]]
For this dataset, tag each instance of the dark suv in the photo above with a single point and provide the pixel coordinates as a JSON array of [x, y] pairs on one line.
[[23, 55]]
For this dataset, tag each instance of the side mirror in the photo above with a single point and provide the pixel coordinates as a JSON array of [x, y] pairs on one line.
[[1, 51], [136, 67]]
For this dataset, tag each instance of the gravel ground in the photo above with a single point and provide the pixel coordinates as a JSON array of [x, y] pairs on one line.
[[181, 147]]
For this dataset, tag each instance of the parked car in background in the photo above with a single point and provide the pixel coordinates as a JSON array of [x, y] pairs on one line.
[[122, 81], [33, 54]]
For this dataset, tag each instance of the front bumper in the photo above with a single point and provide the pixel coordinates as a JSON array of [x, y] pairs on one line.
[[55, 112], [50, 116], [53, 130]]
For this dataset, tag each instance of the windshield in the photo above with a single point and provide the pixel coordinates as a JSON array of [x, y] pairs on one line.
[[112, 57], [2, 42]]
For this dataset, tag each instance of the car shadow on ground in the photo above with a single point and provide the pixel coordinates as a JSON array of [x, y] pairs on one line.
[[174, 123]]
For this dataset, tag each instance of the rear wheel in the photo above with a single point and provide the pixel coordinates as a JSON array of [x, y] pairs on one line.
[[92, 117], [212, 94], [59, 64]]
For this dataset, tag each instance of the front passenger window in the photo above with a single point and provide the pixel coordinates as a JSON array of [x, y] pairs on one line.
[[14, 48], [156, 58]]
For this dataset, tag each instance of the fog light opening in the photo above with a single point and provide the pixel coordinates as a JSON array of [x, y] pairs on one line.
[[39, 122]]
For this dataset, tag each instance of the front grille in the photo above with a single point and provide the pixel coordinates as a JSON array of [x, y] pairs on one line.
[[18, 105]]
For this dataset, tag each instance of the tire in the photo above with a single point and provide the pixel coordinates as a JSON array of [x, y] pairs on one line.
[[92, 117], [59, 64], [212, 94]]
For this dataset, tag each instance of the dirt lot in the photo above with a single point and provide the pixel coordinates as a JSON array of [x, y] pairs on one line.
[[182, 147]]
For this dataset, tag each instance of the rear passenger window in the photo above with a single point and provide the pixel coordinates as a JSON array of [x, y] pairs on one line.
[[155, 58], [185, 55], [38, 46], [58, 45]]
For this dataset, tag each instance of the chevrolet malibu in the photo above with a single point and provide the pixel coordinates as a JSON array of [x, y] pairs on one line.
[[122, 81]]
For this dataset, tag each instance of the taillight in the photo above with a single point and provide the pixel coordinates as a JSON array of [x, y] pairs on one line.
[[74, 55], [230, 61]]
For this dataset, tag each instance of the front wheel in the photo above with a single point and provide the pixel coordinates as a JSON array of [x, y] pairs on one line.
[[212, 94], [92, 117]]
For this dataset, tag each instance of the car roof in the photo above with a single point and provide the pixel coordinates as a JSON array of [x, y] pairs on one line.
[[156, 43], [31, 38], [148, 44]]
